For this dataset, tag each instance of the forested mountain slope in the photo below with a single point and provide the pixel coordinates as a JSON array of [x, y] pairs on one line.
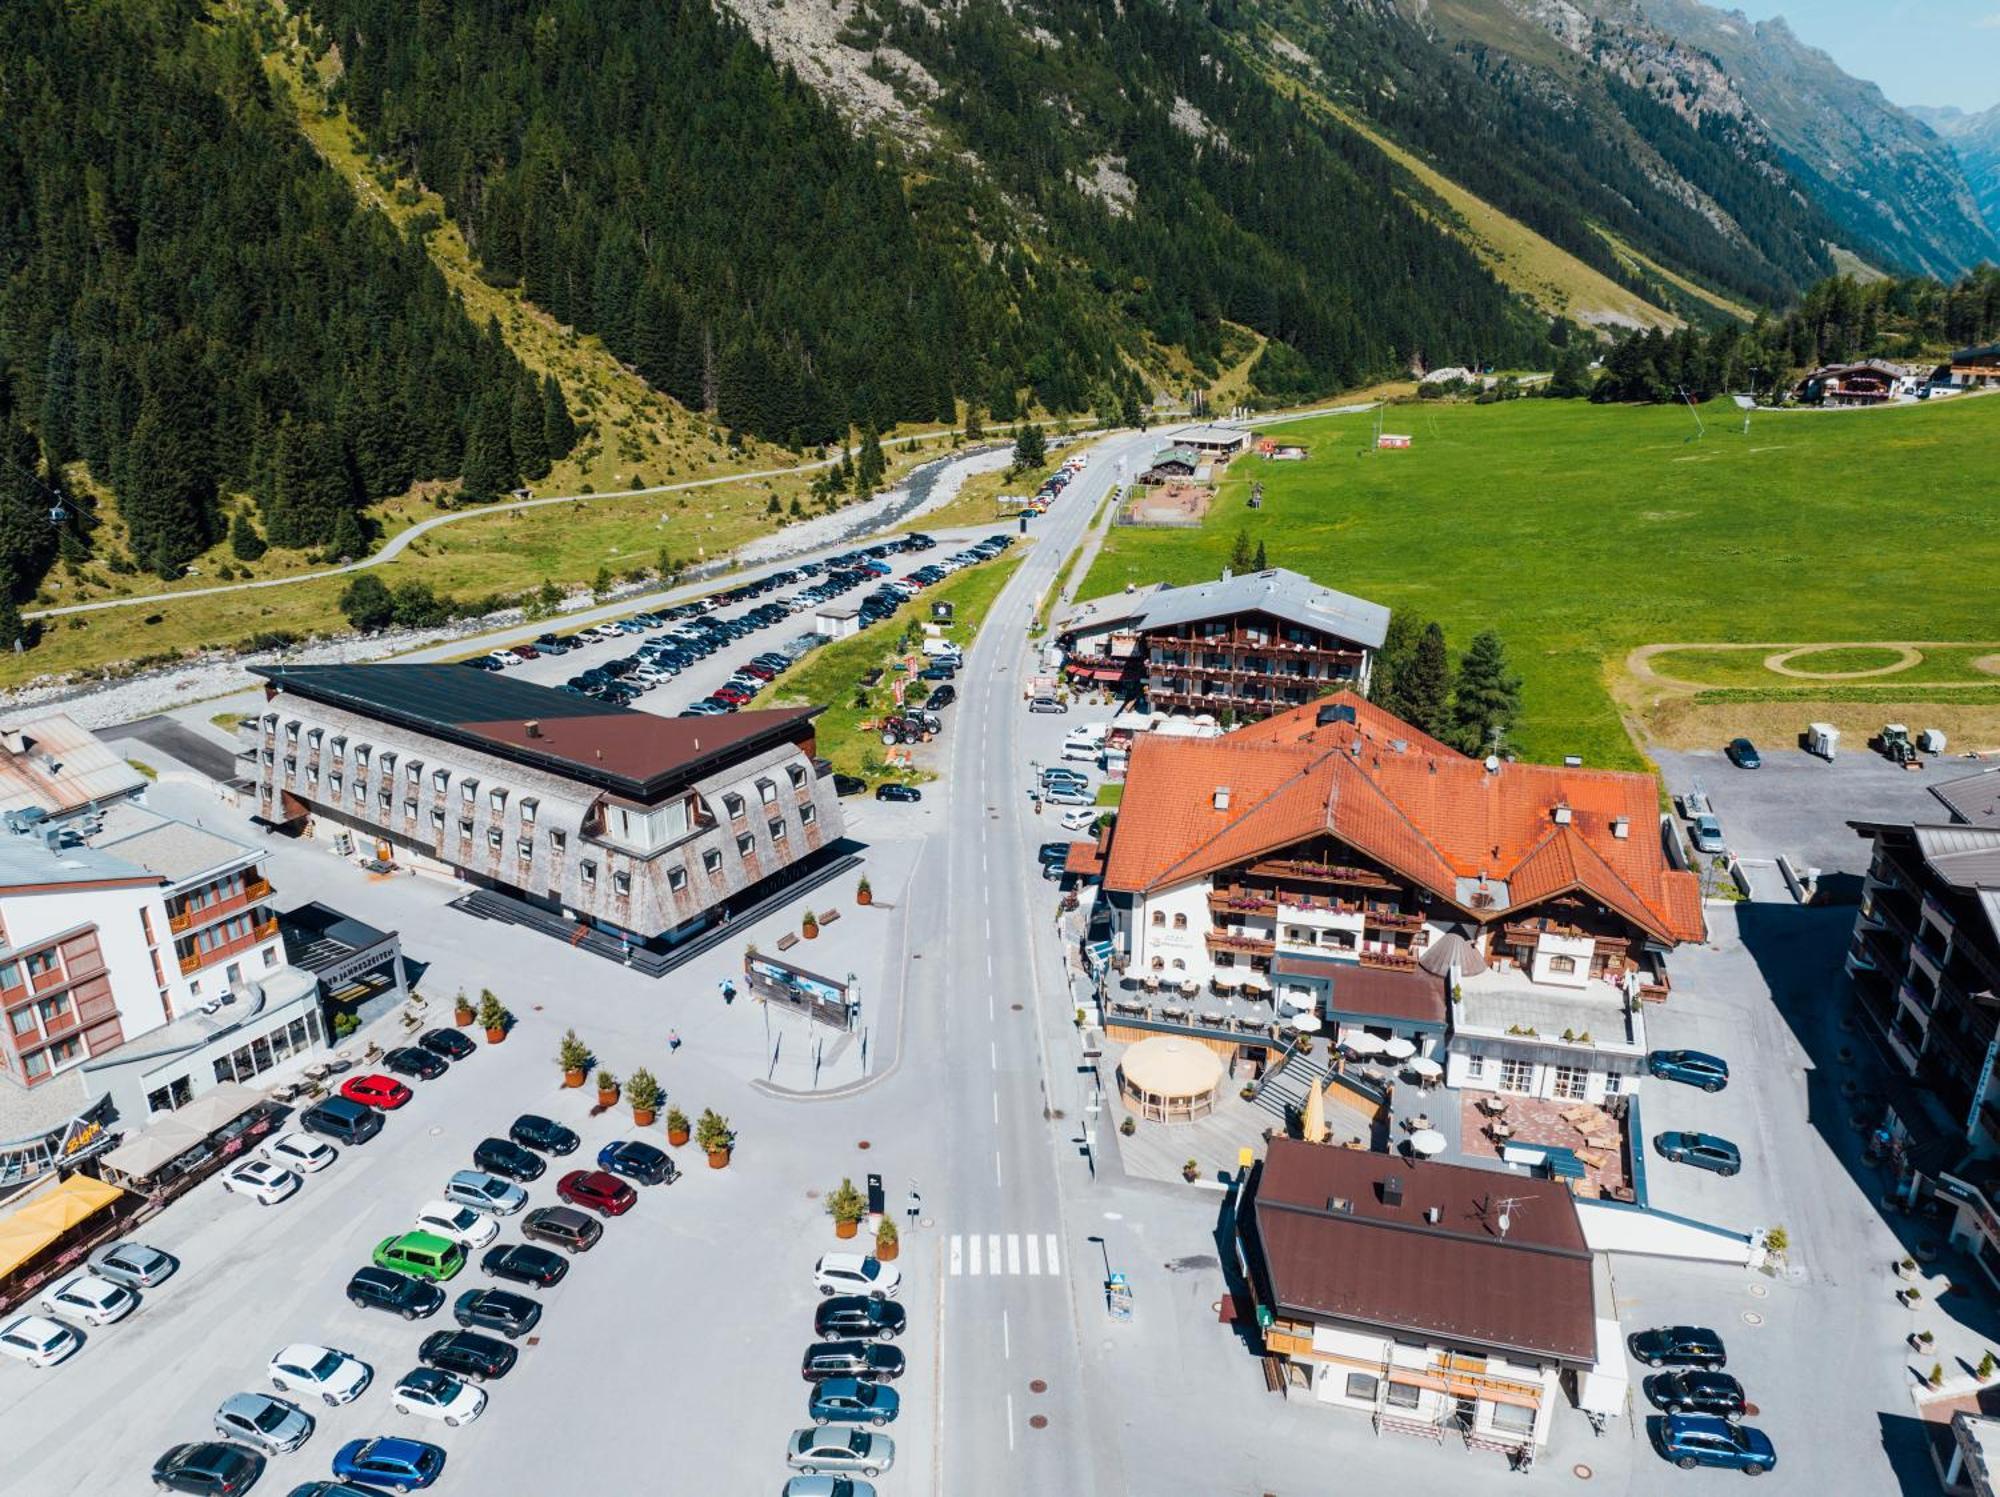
[[1975, 139]]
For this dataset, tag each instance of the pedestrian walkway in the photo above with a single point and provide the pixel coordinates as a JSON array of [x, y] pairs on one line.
[[1002, 1255]]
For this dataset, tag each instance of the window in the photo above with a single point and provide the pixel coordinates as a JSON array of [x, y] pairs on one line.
[[808, 815], [416, 771], [1361, 1386], [1180, 921], [558, 841], [746, 845], [1159, 919], [766, 791], [360, 793], [36, 1064], [467, 789], [677, 879], [1403, 1396], [270, 957], [41, 964], [10, 975], [777, 831], [386, 799], [621, 884], [339, 748], [360, 756], [733, 804], [1516, 1076], [441, 779], [529, 805], [1613, 1084], [711, 861], [333, 785], [291, 764], [313, 737], [498, 801], [1572, 1083], [494, 837], [587, 871], [52, 1009], [465, 828], [24, 1020], [409, 808], [1513, 1418], [437, 821], [798, 775], [525, 847], [1475, 1067], [1563, 965], [292, 731]]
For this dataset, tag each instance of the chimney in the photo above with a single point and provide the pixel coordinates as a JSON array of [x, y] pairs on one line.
[[1227, 574], [1621, 827], [533, 727], [1392, 1191], [1434, 1214], [1222, 797], [1561, 813]]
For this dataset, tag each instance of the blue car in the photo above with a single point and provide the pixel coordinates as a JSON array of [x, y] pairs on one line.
[[1709, 1072], [849, 1400], [637, 1161], [1691, 1440], [404, 1465], [1703, 1150]]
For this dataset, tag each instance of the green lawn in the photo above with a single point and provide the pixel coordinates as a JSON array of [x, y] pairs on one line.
[[1582, 531], [1938, 665]]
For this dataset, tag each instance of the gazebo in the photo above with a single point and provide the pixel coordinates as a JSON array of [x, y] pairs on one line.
[[1170, 1080]]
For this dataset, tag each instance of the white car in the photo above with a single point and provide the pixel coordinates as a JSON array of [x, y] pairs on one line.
[[87, 1298], [458, 1223], [503, 659], [37, 1340], [438, 1395], [1082, 819], [334, 1375], [298, 1152], [857, 1273], [262, 1181]]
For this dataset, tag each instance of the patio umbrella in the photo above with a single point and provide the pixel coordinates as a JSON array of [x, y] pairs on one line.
[[1253, 982], [1225, 982], [1306, 1023], [1361, 1042], [1312, 1126], [1399, 1049], [1428, 1141], [1189, 986], [1425, 1067]]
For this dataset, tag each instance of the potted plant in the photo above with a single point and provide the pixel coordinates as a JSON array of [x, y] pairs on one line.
[[493, 1016], [846, 1206], [573, 1055], [1936, 1378], [644, 1093], [1907, 1269], [1910, 1298], [1129, 1127], [461, 1010], [1191, 1171], [864, 893], [1987, 1366], [607, 1088], [715, 1139], [886, 1245], [809, 927], [677, 1127], [1248, 1091]]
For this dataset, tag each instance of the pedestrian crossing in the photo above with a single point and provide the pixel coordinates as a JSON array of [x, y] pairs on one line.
[[1003, 1255]]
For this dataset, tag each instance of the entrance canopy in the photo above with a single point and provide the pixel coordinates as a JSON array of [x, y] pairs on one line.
[[47, 1220]]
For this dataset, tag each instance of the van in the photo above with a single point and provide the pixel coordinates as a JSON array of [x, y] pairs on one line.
[[1080, 749], [938, 649], [344, 1121], [422, 1255]]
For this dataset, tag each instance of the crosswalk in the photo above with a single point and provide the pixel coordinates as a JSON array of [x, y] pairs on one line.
[[1002, 1254]]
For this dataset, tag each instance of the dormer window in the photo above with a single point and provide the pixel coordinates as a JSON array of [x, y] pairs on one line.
[[766, 791], [798, 775], [498, 801], [314, 737], [733, 804], [587, 872], [468, 790], [677, 879], [621, 884], [338, 747], [292, 731], [440, 779], [711, 861], [529, 805], [746, 845]]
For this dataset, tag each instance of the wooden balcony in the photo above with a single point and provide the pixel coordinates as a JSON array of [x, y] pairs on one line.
[[1391, 920], [1240, 902], [185, 919], [1241, 945], [194, 961], [1395, 961], [1331, 873]]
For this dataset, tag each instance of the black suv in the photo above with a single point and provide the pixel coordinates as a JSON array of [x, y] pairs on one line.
[[399, 1294], [851, 1359], [415, 1060], [342, 1120], [215, 1468], [497, 1310], [446, 1042], [538, 1132], [524, 1263], [1680, 1346], [500, 1156], [847, 784], [854, 1316], [638, 1161], [942, 696], [467, 1354], [1696, 1393]]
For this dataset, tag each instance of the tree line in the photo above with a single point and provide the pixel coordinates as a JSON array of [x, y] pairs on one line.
[[1470, 705]]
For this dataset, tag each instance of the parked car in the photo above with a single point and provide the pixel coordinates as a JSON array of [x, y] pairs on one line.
[[208, 1468], [89, 1300], [638, 1161], [432, 1393], [896, 792], [1060, 794], [848, 1400], [1691, 1440], [1046, 704], [1709, 1072], [468, 1354], [524, 1263], [133, 1264], [398, 1293], [296, 1152], [847, 1317], [1707, 834], [841, 1448], [1691, 1392], [562, 1226], [1743, 754], [857, 1273], [375, 1090], [870, 1359], [1703, 1150], [262, 1181], [1081, 819], [499, 1310], [484, 1192], [597, 1190], [37, 1340], [447, 1042], [942, 696], [1679, 1346], [1057, 775], [341, 1120], [458, 1223], [262, 1422], [535, 1132], [423, 1255], [502, 1156], [334, 1376], [404, 1465], [415, 1060]]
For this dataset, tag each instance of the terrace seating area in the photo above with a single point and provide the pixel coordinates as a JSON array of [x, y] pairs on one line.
[[1491, 1122]]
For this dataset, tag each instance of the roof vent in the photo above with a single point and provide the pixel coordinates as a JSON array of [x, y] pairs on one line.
[[1222, 797], [1561, 813], [532, 727], [1621, 827], [1340, 1204], [1493, 764], [1392, 1191], [1434, 1214]]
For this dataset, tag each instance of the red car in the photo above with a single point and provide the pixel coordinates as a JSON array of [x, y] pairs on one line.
[[375, 1091], [600, 1190], [761, 672], [526, 652], [730, 693]]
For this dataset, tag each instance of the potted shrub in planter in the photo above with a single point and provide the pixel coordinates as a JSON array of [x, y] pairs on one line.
[[1936, 1378], [1907, 1269], [1911, 1298], [1129, 1127], [846, 1206], [677, 1127], [493, 1016], [809, 927], [863, 892], [607, 1088], [715, 1139], [1921, 1340], [886, 1245], [644, 1093], [1191, 1171], [462, 1013], [1984, 1371], [573, 1055]]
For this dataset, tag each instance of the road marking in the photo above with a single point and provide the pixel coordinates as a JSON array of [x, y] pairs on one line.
[[993, 1245], [989, 964], [1006, 1338], [996, 1169], [996, 1107], [1034, 1254], [993, 1053], [957, 1256], [1050, 1256], [1013, 1253], [1010, 1421], [972, 1246], [974, 1255]]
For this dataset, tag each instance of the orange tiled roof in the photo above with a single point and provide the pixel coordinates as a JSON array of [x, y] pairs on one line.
[[1409, 802]]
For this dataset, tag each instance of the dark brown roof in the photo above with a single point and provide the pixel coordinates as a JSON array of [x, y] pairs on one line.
[[1379, 992], [1457, 1280]]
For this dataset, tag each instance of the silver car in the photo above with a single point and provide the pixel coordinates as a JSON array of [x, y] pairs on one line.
[[840, 1448], [484, 1192], [133, 1264], [263, 1422]]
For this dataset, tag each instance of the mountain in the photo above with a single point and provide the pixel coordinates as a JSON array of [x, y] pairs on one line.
[[1975, 140]]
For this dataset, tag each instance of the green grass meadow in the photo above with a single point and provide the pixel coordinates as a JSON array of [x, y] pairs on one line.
[[1581, 531]]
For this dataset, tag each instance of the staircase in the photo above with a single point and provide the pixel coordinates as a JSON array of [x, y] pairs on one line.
[[1283, 1092]]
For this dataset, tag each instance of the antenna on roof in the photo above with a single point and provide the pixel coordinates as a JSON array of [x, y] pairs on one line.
[[1505, 1220]]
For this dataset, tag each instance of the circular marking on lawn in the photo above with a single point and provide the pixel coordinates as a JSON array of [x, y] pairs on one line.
[[1038, 1421], [1038, 1386], [1987, 665], [1782, 663], [1751, 1317], [1760, 1291], [1581, 1472]]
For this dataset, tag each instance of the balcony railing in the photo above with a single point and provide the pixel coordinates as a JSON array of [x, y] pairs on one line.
[[1223, 940], [49, 981], [1392, 919], [1395, 961], [194, 961], [186, 918], [1333, 873], [1240, 902]]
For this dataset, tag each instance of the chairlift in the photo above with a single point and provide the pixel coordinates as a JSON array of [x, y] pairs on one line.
[[58, 512]]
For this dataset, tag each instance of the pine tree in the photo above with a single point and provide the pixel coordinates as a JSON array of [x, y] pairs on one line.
[[12, 628], [526, 434], [869, 466], [1487, 697], [490, 470], [244, 541], [168, 481], [558, 431], [974, 429], [59, 401], [310, 486], [1426, 686], [368, 604], [348, 542], [1240, 554], [1031, 448], [1392, 662], [1261, 563]]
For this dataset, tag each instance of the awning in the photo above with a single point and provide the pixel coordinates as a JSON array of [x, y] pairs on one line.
[[141, 1157], [1096, 672], [219, 1106], [44, 1221]]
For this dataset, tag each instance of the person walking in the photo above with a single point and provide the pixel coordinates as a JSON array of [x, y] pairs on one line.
[[673, 1039]]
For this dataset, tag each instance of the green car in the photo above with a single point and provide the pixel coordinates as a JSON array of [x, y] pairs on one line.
[[424, 1255]]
